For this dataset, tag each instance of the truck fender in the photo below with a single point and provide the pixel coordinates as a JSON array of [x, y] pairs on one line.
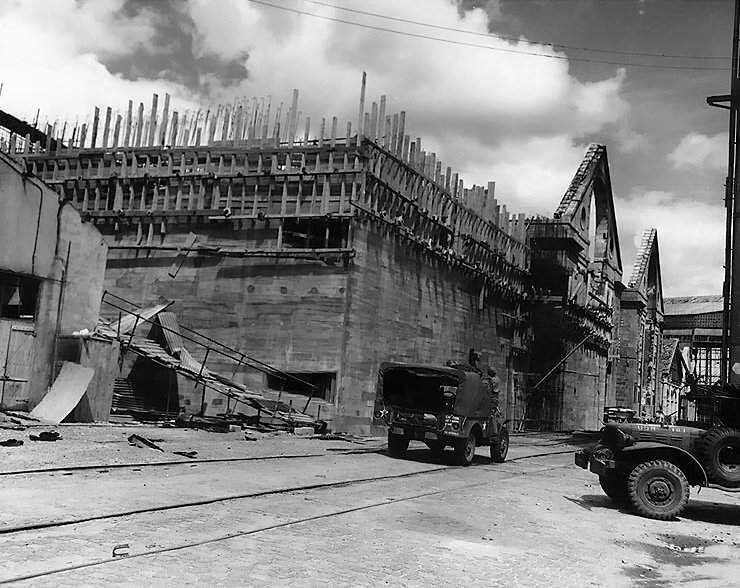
[[648, 450]]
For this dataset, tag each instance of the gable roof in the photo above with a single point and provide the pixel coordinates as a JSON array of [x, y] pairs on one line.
[[648, 257], [591, 186]]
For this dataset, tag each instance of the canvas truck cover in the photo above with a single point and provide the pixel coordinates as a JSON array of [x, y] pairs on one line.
[[422, 387]]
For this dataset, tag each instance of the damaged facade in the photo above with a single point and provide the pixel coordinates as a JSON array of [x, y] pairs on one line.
[[576, 276], [641, 332], [325, 254], [51, 279]]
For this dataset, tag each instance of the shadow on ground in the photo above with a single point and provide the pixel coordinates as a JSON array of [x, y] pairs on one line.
[[697, 510], [447, 457]]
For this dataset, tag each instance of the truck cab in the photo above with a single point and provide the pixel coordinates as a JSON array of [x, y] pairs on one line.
[[441, 406]]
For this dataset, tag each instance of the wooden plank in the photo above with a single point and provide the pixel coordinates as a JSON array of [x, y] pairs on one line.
[[361, 115], [238, 123], [293, 122], [139, 124], [226, 120], [394, 135], [307, 131], [374, 122], [65, 393], [401, 137], [334, 122], [381, 121], [214, 123], [117, 131], [266, 123], [96, 120], [193, 130], [106, 127], [276, 126], [151, 138], [180, 139], [162, 140], [128, 125], [174, 127]]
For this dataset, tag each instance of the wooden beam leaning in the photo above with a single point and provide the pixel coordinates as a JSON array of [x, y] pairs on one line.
[[361, 115], [96, 119], [153, 121], [106, 127]]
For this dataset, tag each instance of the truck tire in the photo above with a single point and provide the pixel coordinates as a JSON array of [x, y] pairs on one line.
[[719, 453], [614, 486], [658, 489], [465, 450], [397, 444], [500, 446]]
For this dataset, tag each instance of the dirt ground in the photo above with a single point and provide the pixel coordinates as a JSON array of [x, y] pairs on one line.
[[281, 510]]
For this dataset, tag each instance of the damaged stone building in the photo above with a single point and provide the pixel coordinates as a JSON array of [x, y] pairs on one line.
[[322, 255], [51, 279], [325, 252]]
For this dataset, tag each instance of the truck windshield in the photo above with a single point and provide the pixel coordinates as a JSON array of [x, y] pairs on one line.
[[420, 389]]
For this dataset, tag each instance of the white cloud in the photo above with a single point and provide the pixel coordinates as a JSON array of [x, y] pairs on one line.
[[489, 114], [697, 150], [514, 118], [690, 240], [60, 72]]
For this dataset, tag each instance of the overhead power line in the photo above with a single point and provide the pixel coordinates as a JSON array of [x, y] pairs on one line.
[[479, 46], [512, 39]]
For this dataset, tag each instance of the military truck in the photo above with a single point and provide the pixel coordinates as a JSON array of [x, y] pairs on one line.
[[651, 466], [453, 405]]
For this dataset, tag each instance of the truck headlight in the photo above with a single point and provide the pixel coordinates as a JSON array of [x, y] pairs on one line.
[[452, 422]]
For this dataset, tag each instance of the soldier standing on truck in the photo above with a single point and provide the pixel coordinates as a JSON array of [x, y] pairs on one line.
[[495, 385], [473, 359]]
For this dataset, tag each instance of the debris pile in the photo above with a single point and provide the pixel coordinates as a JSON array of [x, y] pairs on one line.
[[165, 346]]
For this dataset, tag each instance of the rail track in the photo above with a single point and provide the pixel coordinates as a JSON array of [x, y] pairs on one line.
[[380, 503]]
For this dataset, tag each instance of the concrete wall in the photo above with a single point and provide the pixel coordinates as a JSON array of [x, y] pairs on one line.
[[28, 223], [390, 302], [405, 306], [286, 313]]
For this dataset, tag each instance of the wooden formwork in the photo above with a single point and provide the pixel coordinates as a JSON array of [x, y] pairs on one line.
[[248, 161]]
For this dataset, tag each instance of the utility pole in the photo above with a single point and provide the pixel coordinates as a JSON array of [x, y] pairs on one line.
[[730, 355]]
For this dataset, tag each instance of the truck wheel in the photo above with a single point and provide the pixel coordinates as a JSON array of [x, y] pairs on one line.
[[500, 446], [720, 456], [658, 489], [436, 447], [614, 486], [397, 444], [465, 450]]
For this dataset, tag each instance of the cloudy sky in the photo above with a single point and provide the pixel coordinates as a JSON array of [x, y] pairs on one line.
[[510, 91]]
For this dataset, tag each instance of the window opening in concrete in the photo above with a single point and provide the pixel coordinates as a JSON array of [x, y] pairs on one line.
[[18, 296], [314, 233], [324, 382]]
